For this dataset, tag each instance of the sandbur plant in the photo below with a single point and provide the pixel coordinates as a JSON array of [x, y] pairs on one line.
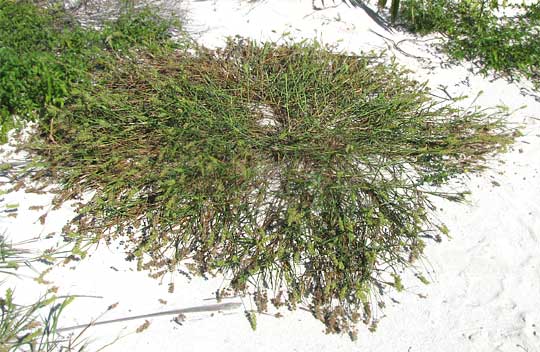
[[296, 170]]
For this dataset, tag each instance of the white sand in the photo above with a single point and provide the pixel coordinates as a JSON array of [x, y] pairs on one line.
[[485, 294]]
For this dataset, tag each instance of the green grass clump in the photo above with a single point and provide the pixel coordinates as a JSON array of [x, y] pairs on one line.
[[22, 327], [508, 45], [283, 166]]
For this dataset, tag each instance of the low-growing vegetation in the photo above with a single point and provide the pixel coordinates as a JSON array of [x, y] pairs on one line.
[[496, 36], [45, 55], [505, 43], [288, 167], [23, 328], [29, 327]]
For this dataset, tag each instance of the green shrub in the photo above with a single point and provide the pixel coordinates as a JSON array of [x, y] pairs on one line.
[[36, 61], [507, 45]]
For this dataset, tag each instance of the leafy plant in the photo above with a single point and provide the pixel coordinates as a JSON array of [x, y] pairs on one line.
[[409, 8], [506, 44], [290, 167], [44, 54]]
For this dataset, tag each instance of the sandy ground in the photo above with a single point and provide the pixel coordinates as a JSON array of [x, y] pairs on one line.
[[485, 289]]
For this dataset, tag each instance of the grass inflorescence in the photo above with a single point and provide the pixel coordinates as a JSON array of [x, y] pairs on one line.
[[281, 165]]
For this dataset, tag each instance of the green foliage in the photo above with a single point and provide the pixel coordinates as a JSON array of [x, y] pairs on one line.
[[22, 328], [143, 28], [45, 54], [10, 257], [508, 44], [35, 65], [280, 165]]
